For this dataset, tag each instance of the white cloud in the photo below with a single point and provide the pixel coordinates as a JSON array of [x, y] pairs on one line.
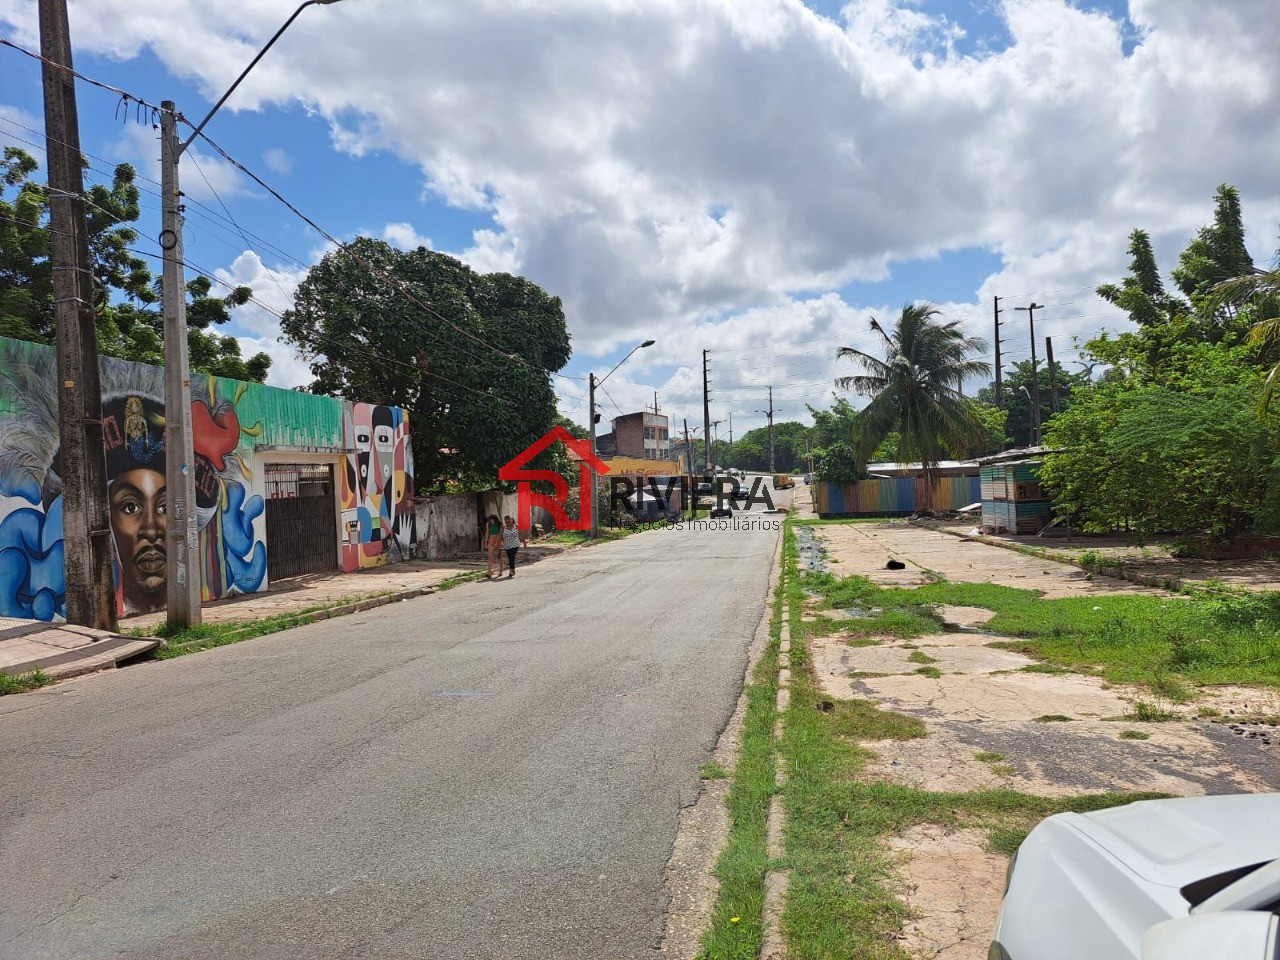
[[663, 163], [287, 370], [278, 161], [203, 177], [405, 237], [273, 291]]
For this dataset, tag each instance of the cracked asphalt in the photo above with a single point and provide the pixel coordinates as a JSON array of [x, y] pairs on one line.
[[493, 771]]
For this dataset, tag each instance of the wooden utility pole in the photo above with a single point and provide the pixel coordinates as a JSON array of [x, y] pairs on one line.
[[86, 521], [1053, 374]]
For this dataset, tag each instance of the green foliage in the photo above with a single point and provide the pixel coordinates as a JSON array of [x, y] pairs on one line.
[[1157, 459], [127, 300], [915, 389], [475, 398], [839, 464], [1019, 386]]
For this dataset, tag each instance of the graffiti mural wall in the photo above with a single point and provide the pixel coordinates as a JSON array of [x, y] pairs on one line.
[[378, 520], [232, 423]]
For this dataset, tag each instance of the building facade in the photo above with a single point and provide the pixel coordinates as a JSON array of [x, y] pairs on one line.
[[286, 483], [643, 435]]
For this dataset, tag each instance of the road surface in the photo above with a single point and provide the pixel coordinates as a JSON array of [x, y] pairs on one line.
[[493, 771]]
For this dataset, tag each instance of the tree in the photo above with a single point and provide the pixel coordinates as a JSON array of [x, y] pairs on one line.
[[468, 355], [1141, 294], [127, 299], [915, 389], [1159, 460], [839, 464]]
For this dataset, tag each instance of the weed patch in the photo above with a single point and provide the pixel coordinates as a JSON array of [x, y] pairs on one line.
[[22, 682], [1052, 718], [1134, 735], [713, 770]]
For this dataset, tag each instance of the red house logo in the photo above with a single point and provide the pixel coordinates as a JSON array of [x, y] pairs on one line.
[[587, 464]]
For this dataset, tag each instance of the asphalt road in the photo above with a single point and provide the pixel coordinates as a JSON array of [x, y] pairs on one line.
[[494, 771]]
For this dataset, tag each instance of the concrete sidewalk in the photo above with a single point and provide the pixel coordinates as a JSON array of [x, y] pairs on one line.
[[61, 650], [336, 591]]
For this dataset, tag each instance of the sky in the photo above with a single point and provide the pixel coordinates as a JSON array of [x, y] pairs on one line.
[[757, 178]]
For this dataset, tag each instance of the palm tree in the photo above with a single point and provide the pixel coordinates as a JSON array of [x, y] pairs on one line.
[[1261, 287], [915, 389]]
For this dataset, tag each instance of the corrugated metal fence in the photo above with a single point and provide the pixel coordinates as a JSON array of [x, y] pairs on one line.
[[897, 496]]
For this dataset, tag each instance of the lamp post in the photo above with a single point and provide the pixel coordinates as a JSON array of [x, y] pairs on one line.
[[592, 383], [1030, 311], [182, 568]]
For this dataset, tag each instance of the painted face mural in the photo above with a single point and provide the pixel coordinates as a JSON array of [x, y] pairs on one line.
[[377, 492], [32, 567], [133, 436]]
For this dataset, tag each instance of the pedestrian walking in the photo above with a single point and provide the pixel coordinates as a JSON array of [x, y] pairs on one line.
[[513, 539], [493, 542]]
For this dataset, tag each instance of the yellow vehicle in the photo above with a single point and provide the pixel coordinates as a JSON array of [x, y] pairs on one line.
[[783, 481]]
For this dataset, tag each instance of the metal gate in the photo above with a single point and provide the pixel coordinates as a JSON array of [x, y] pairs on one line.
[[302, 528]]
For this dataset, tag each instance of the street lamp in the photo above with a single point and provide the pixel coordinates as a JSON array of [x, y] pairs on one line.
[[1030, 311], [1035, 416], [592, 383], [182, 569]]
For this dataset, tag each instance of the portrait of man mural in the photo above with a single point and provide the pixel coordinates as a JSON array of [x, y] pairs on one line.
[[133, 434]]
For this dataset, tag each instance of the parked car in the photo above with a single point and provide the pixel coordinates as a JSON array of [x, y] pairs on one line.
[[808, 479], [718, 507], [1194, 878]]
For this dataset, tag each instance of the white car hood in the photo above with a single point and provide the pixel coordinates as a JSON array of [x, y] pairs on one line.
[[1173, 842]]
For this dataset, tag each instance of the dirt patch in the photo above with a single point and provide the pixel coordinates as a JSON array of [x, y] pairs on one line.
[[864, 548], [966, 617], [954, 887]]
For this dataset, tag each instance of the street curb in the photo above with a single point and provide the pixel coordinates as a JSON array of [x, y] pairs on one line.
[[776, 879], [1115, 572]]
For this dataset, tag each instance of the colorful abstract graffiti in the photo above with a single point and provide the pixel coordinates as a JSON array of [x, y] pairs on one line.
[[378, 520]]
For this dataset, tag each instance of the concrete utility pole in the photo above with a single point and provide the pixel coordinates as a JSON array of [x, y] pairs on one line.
[[1030, 310], [706, 413], [591, 426], [1053, 374], [182, 533], [86, 520], [999, 370], [771, 460]]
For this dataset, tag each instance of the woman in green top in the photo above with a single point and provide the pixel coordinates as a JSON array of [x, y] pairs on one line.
[[493, 543]]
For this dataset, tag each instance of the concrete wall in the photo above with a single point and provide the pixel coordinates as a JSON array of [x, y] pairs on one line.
[[447, 525]]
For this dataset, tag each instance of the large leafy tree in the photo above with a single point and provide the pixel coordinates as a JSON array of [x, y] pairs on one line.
[[127, 299], [915, 389], [1159, 460], [468, 355]]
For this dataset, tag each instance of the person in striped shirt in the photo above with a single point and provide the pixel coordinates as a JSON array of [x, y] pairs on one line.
[[512, 539]]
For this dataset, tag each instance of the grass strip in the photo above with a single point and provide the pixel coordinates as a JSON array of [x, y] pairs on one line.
[[22, 682], [737, 921]]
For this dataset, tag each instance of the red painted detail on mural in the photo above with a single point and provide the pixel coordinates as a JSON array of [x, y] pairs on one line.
[[215, 434]]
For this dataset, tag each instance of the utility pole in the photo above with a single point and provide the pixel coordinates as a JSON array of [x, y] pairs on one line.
[[86, 521], [1035, 373], [730, 428], [771, 462], [999, 371], [1053, 374], [591, 427], [182, 534], [706, 413]]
